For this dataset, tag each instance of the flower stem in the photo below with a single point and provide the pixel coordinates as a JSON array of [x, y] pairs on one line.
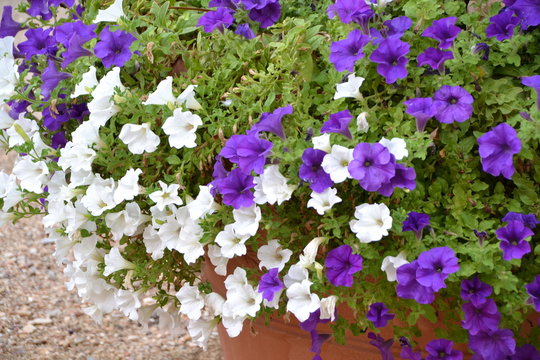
[[188, 8]]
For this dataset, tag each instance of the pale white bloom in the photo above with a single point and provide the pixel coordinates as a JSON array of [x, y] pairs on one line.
[[111, 14], [244, 300], [6, 217], [33, 175], [76, 157], [246, 220], [86, 134], [144, 313], [380, 3], [6, 121], [217, 259], [322, 142], [275, 300], [102, 109], [21, 126], [170, 320], [153, 243], [336, 163], [168, 195], [88, 82], [232, 244], [81, 177], [128, 302], [362, 123], [273, 255], [181, 128], [8, 78], [125, 222], [296, 274], [182, 234], [237, 279], [271, 187], [128, 186], [99, 196], [301, 301], [396, 146], [159, 217], [390, 265], [214, 304], [187, 98], [233, 324], [78, 218], [191, 301], [94, 312], [310, 252], [109, 84], [115, 262], [9, 190], [323, 201], [163, 94], [350, 88], [85, 249], [203, 204], [6, 47], [200, 331], [373, 222], [328, 307], [139, 138]]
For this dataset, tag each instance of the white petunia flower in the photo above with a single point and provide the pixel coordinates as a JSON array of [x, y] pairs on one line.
[[271, 187], [181, 128], [336, 163], [273, 255], [126, 222], [153, 243], [362, 123], [76, 157], [324, 201], [328, 307], [9, 191], [237, 279], [128, 302], [214, 304], [33, 175], [246, 220], [232, 244], [115, 262], [86, 134], [296, 274], [88, 82], [390, 265], [233, 324], [6, 121], [24, 126], [109, 84], [187, 98], [99, 196], [373, 222], [139, 138], [8, 78], [191, 301], [128, 186], [163, 94], [182, 234], [203, 204], [244, 300], [111, 14], [301, 301], [102, 109], [350, 88], [396, 146], [217, 259], [201, 330], [168, 195], [310, 252], [322, 142], [6, 47]]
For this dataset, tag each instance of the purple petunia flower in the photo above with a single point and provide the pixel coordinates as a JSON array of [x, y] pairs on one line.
[[378, 314], [245, 31], [219, 173], [271, 122], [8, 26], [317, 340], [39, 8], [256, 4], [248, 151], [338, 123], [481, 317], [409, 288], [416, 222], [529, 220], [496, 148], [270, 284], [481, 235], [235, 188], [58, 140], [344, 53], [75, 50], [113, 47], [526, 352], [231, 4], [453, 103], [502, 25], [394, 28], [493, 345], [435, 58], [534, 82], [443, 30], [267, 16], [372, 165], [407, 350], [442, 349], [475, 291], [312, 172], [384, 346], [404, 178], [219, 19], [528, 11], [533, 289], [349, 10], [390, 55], [435, 265], [481, 48], [53, 119], [57, 3], [51, 77], [513, 243], [341, 264], [40, 42], [64, 32], [422, 109]]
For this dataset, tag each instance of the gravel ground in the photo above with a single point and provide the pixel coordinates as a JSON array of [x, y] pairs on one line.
[[41, 319]]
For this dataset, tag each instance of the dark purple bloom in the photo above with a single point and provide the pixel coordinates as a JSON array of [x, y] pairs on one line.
[[219, 19], [248, 151], [372, 165], [502, 25], [231, 4], [408, 353], [435, 58], [529, 220], [384, 346], [245, 31], [312, 172], [409, 288], [390, 55], [481, 47], [317, 341], [8, 26], [53, 119], [534, 82], [481, 235], [493, 345], [218, 174], [40, 42], [349, 10], [256, 4], [266, 16], [533, 289], [508, 3], [513, 243], [344, 53], [75, 50], [526, 352], [312, 321], [341, 264], [270, 284], [113, 47], [441, 349], [58, 140], [404, 178], [338, 123], [51, 77], [422, 109], [397, 26], [481, 317], [40, 8], [68, 3], [475, 291], [416, 222], [453, 103], [434, 266], [18, 107], [64, 32], [528, 11], [496, 148], [443, 30], [79, 112], [271, 122], [378, 314], [235, 189]]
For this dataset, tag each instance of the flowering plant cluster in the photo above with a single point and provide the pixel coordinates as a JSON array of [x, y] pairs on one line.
[[380, 156]]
